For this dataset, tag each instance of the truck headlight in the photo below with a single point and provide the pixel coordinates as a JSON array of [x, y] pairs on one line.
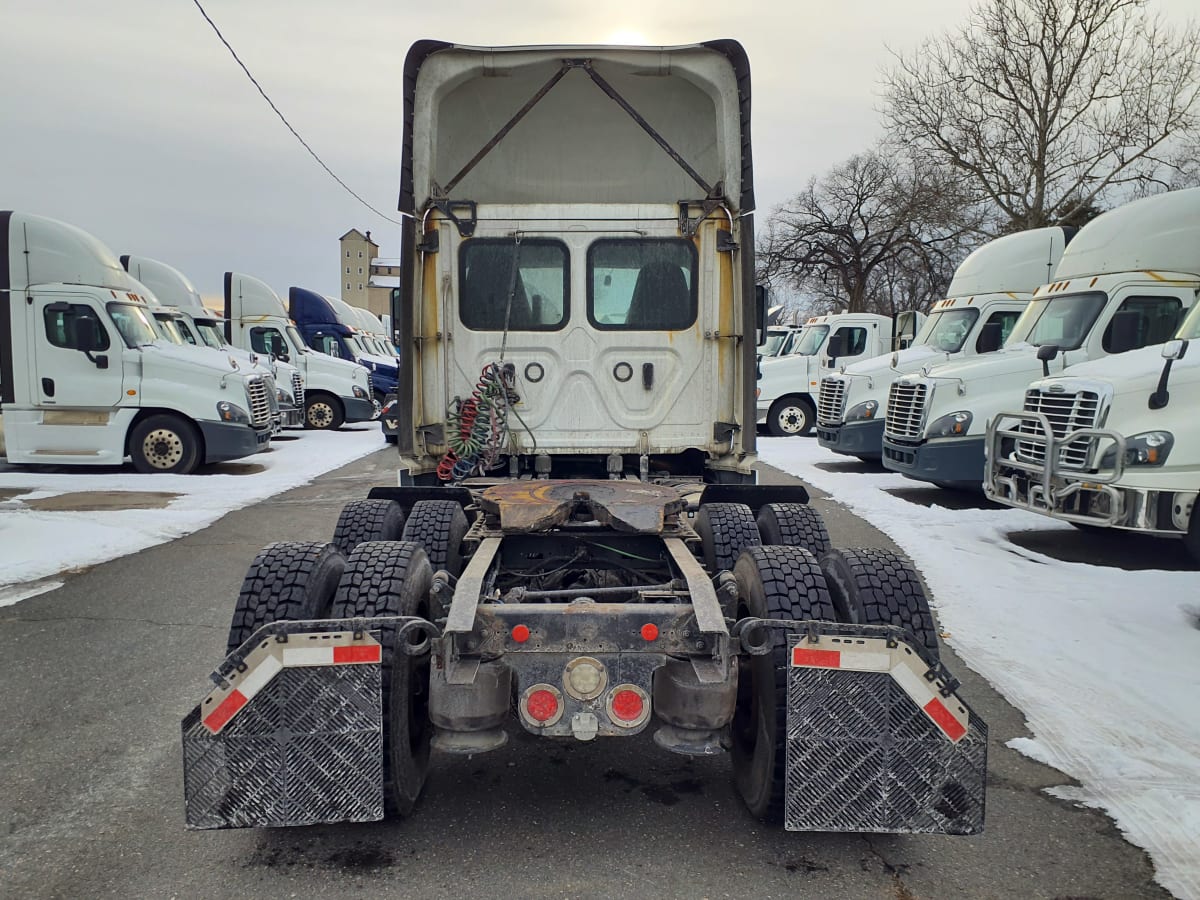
[[360, 393], [282, 397], [951, 425], [229, 412], [863, 411], [1150, 448]]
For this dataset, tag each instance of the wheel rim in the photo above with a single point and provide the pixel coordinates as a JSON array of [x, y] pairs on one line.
[[320, 415], [792, 419], [162, 448]]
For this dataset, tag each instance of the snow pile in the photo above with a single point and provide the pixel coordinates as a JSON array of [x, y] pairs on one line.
[[40, 544], [1103, 662]]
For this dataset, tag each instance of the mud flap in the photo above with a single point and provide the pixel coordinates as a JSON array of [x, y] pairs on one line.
[[292, 734], [877, 740]]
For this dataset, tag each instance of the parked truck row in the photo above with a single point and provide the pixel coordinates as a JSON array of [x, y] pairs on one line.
[[104, 359], [1055, 376]]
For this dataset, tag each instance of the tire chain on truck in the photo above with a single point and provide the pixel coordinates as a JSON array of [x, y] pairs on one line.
[[794, 589], [391, 578], [794, 525], [439, 526], [368, 520], [288, 581], [878, 587], [725, 529]]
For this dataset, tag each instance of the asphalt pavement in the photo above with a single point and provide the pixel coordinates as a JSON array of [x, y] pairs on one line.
[[98, 674]]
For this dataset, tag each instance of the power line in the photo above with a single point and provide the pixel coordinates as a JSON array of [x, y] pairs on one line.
[[284, 120]]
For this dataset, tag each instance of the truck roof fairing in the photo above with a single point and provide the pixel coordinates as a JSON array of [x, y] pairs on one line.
[[695, 97], [1022, 262], [169, 285]]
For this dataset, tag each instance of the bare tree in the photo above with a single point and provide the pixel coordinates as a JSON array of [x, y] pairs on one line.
[[871, 234], [1047, 107]]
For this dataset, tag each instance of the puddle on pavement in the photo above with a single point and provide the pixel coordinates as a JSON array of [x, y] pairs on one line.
[[7, 494], [853, 467], [98, 501], [930, 497], [231, 468], [1112, 549]]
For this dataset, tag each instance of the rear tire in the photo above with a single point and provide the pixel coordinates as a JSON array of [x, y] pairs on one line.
[[287, 582], [773, 583], [791, 417], [392, 578], [165, 444], [439, 526], [793, 525], [368, 520], [323, 412], [878, 587], [725, 529]]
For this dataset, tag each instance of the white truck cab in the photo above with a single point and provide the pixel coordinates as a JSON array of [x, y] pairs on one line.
[[185, 319], [990, 289], [788, 384], [1124, 282], [335, 390], [84, 377], [1111, 443]]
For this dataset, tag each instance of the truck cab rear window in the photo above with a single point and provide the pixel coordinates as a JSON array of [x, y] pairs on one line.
[[642, 284], [539, 290]]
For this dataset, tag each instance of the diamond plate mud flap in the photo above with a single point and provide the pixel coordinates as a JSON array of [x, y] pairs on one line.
[[291, 735], [877, 740]]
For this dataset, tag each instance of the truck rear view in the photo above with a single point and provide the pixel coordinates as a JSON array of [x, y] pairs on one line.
[[577, 368]]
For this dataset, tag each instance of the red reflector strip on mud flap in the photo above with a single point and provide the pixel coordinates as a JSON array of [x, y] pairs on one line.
[[873, 745], [293, 735], [270, 657]]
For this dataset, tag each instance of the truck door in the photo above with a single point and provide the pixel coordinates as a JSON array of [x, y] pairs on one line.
[[65, 377]]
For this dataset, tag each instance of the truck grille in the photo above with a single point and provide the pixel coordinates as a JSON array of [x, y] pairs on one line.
[[1066, 413], [298, 389], [906, 410], [831, 403], [370, 386], [260, 401]]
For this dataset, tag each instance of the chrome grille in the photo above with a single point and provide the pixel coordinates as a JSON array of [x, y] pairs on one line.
[[1066, 413], [370, 386], [298, 389], [831, 402], [905, 416], [260, 401]]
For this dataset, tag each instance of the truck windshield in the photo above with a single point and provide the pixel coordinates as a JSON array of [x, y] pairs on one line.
[[947, 331], [211, 334], [134, 323], [186, 332], [810, 341], [774, 342], [1189, 328], [168, 329], [1066, 320]]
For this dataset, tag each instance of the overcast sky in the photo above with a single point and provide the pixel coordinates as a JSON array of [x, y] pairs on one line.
[[129, 119]]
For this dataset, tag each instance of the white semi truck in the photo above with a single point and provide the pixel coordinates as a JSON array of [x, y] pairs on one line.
[[1111, 443], [990, 289], [335, 390], [578, 332], [190, 321], [1125, 281], [788, 383], [84, 377]]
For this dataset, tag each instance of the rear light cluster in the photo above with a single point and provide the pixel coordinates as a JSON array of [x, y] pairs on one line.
[[585, 679]]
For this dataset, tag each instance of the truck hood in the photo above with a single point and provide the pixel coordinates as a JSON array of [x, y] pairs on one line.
[[385, 364], [910, 359], [319, 363], [1136, 371], [787, 374], [187, 360], [994, 365]]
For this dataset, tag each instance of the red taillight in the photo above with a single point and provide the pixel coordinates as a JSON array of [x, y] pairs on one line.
[[520, 633], [542, 706], [650, 632], [628, 705]]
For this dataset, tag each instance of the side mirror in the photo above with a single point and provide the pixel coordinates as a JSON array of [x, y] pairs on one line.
[[760, 313], [1045, 353], [1174, 349], [989, 338], [1123, 331], [282, 356], [85, 334], [836, 347]]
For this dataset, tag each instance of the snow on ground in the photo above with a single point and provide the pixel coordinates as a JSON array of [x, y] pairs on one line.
[[38, 545], [1103, 662]]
